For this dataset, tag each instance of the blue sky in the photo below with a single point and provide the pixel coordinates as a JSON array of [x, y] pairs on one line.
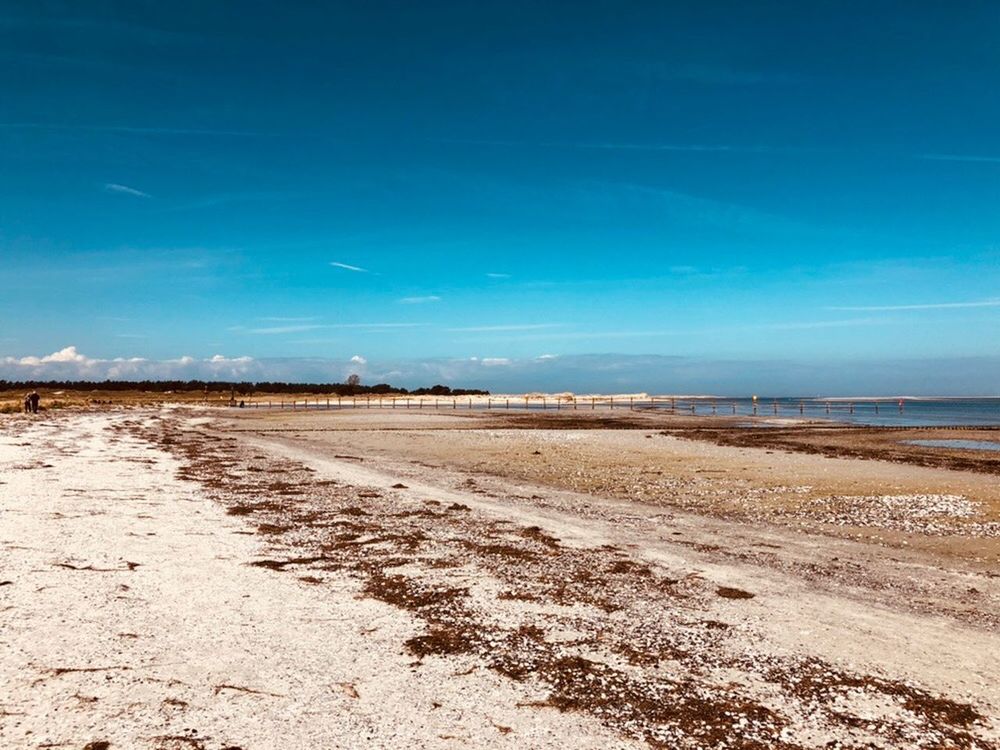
[[430, 186]]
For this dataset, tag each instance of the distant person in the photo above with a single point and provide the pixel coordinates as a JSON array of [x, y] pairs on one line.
[[27, 403], [34, 398]]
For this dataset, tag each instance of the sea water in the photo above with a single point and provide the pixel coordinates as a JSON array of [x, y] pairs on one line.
[[913, 412]]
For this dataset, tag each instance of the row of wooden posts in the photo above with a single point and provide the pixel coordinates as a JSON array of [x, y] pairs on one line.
[[496, 403], [528, 403]]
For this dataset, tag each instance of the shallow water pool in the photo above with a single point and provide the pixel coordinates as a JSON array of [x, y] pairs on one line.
[[970, 445]]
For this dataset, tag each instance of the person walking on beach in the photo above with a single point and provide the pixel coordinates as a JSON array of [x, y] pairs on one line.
[[34, 398]]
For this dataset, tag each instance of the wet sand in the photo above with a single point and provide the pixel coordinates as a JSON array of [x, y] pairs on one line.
[[217, 578]]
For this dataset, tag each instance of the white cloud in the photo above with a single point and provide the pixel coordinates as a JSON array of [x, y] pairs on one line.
[[583, 373], [114, 187], [359, 360], [376, 325], [498, 275], [590, 335], [272, 330], [420, 300], [299, 328], [809, 325], [681, 147], [922, 306], [125, 129], [348, 267], [69, 354], [961, 157], [70, 364], [610, 146], [514, 327]]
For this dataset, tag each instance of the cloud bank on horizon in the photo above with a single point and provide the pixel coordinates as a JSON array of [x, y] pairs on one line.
[[593, 373]]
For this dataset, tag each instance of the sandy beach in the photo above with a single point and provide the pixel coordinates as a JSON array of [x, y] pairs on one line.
[[190, 577], [499, 376]]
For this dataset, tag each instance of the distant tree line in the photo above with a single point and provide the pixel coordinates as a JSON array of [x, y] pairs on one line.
[[242, 388]]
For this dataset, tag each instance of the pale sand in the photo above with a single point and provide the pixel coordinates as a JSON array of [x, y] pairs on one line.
[[183, 639], [308, 667]]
